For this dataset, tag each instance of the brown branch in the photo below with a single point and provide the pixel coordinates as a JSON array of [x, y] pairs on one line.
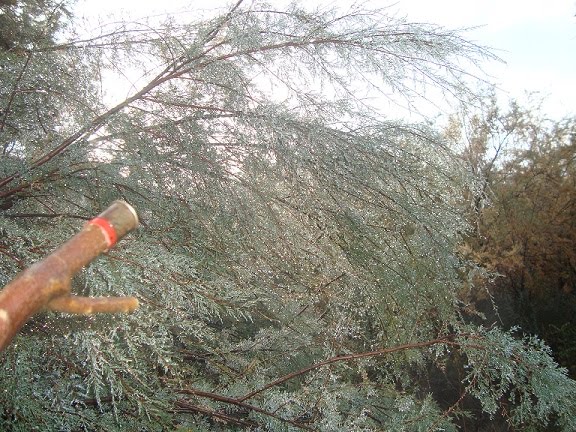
[[192, 105], [448, 340], [232, 401], [47, 283], [184, 406], [83, 44]]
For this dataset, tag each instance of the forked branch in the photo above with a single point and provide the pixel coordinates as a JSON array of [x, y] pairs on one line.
[[46, 284]]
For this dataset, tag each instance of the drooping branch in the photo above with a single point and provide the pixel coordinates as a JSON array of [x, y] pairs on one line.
[[447, 340], [239, 403], [184, 406], [85, 131], [12, 95], [374, 42]]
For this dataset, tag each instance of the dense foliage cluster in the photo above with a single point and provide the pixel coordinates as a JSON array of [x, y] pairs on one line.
[[297, 262]]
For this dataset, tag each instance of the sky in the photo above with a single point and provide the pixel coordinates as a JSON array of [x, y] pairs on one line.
[[536, 39]]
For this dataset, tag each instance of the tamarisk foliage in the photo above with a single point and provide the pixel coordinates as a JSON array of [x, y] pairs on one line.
[[296, 264]]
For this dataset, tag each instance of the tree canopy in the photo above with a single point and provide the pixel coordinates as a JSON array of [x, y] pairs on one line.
[[297, 263]]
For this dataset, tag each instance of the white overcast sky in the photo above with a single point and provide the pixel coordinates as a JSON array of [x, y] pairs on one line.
[[535, 38]]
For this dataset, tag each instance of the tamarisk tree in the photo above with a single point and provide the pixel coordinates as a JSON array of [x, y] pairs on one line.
[[296, 264]]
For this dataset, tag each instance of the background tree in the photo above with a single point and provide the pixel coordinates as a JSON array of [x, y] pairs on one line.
[[526, 229], [296, 264]]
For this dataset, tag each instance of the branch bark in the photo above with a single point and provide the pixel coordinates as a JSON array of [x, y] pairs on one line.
[[448, 340]]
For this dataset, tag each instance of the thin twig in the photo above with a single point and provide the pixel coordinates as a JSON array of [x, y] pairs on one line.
[[44, 215]]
